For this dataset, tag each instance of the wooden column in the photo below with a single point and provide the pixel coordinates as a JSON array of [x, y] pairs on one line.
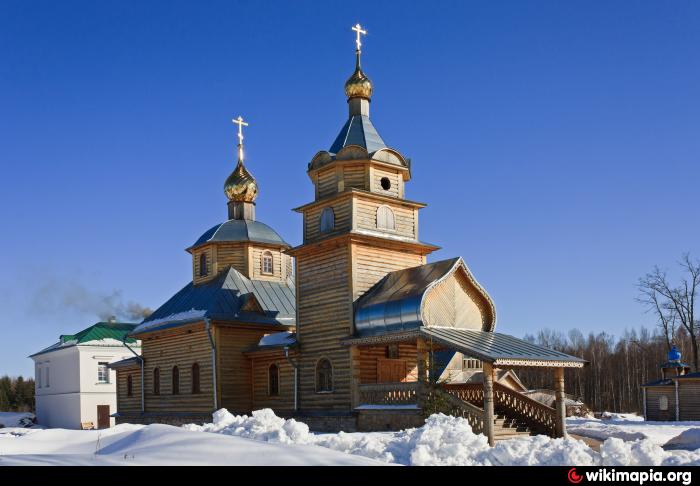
[[422, 368], [560, 430], [488, 403], [355, 376]]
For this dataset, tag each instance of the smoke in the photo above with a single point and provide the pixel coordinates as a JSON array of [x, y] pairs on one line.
[[58, 296]]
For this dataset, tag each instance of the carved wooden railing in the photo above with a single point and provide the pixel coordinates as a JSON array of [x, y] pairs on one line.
[[442, 401], [389, 394], [538, 415]]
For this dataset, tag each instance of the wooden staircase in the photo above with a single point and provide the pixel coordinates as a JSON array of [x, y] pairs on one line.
[[516, 414]]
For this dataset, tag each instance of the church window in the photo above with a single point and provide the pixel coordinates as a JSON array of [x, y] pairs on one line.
[[38, 377], [129, 386], [102, 372], [386, 183], [266, 263], [327, 220], [156, 381], [324, 376], [385, 218], [176, 380], [392, 351], [203, 265], [48, 381], [195, 378], [663, 402], [273, 380]]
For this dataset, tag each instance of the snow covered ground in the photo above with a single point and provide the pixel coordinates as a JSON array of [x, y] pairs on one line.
[[628, 427], [156, 444], [16, 419], [264, 439]]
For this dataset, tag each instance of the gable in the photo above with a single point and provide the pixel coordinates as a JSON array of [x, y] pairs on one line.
[[457, 301]]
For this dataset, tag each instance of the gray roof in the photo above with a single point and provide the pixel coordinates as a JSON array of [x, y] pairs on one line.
[[358, 130], [241, 230], [224, 299], [497, 348], [394, 303], [124, 363], [662, 382]]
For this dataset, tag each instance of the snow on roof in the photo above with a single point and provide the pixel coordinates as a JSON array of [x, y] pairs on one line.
[[190, 315], [284, 338]]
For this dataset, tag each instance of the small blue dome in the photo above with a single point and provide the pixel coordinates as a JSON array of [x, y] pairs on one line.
[[241, 230], [674, 354]]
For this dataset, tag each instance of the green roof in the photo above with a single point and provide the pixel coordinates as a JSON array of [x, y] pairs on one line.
[[97, 332]]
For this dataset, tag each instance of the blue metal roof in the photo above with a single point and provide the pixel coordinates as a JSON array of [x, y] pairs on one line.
[[498, 348], [224, 298], [241, 230], [394, 303], [358, 130]]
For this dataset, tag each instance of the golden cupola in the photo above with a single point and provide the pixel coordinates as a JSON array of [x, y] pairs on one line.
[[358, 85], [240, 187]]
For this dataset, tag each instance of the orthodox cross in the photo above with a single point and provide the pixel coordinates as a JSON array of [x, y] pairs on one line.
[[239, 121], [360, 32]]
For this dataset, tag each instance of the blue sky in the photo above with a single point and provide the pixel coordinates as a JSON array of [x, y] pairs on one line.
[[556, 143]]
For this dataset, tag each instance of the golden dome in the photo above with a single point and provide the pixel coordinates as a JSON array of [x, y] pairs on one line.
[[241, 185], [358, 85]]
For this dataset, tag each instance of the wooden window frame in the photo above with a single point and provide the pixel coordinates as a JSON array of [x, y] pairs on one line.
[[196, 387], [390, 211], [175, 380], [203, 264], [269, 380], [129, 385], [267, 256], [156, 381], [663, 403], [323, 229], [316, 376]]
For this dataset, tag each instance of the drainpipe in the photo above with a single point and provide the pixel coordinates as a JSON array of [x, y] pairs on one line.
[[207, 322], [140, 358], [678, 408], [296, 375], [644, 401]]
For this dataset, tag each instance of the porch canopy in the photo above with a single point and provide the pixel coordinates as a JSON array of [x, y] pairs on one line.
[[501, 350]]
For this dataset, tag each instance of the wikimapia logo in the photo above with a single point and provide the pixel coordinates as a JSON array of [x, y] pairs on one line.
[[637, 477]]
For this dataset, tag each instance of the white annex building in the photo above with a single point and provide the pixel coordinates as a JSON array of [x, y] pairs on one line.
[[74, 386]]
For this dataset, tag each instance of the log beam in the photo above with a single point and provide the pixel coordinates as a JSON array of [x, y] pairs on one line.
[[422, 370], [560, 430], [488, 403]]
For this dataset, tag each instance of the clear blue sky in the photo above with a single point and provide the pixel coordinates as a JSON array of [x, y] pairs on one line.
[[556, 143]]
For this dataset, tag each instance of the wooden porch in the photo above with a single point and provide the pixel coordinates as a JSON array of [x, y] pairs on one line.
[[490, 407]]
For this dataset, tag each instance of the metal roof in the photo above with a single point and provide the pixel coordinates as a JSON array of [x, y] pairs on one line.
[[499, 349], [224, 298], [358, 130], [241, 230], [125, 363], [96, 332], [394, 303]]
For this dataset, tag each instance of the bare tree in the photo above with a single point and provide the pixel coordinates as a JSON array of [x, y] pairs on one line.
[[674, 304]]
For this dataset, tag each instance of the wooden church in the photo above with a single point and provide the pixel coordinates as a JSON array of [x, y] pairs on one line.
[[351, 330]]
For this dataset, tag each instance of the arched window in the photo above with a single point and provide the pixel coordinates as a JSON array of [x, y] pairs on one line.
[[327, 220], [203, 265], [156, 381], [266, 263], [663, 402], [176, 380], [385, 218], [195, 378], [129, 386], [273, 377], [324, 376]]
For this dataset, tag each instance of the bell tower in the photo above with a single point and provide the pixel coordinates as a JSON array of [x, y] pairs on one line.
[[359, 227]]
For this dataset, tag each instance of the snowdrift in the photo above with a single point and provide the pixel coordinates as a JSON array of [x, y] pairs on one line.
[[446, 440]]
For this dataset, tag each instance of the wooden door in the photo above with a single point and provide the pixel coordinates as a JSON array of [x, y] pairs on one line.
[[103, 416], [391, 370]]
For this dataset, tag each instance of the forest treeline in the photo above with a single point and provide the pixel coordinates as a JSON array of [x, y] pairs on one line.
[[16, 394], [616, 366]]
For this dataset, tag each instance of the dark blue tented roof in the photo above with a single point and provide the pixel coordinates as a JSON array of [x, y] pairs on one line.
[[358, 130], [241, 230], [229, 297]]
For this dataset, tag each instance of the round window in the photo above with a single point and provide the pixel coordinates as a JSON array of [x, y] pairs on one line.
[[386, 183]]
